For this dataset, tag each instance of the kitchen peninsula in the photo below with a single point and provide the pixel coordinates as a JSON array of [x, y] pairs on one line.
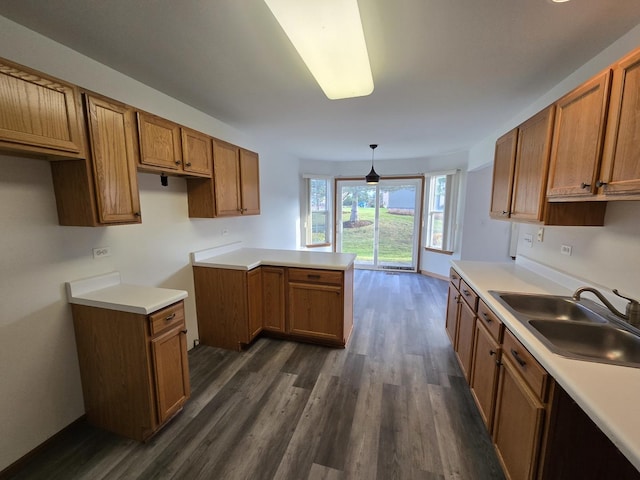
[[297, 295]]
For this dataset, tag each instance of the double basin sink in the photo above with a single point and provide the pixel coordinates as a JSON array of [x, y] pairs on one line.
[[578, 329]]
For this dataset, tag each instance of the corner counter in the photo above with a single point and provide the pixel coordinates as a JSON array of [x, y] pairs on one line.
[[290, 294]]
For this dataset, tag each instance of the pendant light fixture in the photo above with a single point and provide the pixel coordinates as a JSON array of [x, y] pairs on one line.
[[373, 177]]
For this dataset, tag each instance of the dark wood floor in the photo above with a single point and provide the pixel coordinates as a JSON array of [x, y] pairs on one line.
[[392, 405]]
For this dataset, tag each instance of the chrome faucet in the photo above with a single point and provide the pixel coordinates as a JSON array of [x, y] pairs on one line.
[[633, 307]]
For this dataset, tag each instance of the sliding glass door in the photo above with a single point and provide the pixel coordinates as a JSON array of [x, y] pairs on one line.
[[380, 223]]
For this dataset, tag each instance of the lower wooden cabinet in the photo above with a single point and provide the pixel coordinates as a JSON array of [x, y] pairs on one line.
[[517, 428], [484, 376], [273, 299], [466, 331], [453, 310], [234, 306], [134, 367]]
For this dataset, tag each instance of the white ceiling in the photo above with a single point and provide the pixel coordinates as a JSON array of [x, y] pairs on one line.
[[447, 73]]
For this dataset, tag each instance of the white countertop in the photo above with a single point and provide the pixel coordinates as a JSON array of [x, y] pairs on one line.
[[249, 258], [106, 291], [609, 394]]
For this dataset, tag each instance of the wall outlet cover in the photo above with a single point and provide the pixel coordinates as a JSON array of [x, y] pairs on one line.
[[528, 239]]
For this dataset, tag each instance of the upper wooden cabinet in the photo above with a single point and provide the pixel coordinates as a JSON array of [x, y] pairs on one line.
[[503, 168], [169, 148], [578, 139], [531, 166], [249, 182], [234, 189], [620, 172], [102, 189], [39, 114]]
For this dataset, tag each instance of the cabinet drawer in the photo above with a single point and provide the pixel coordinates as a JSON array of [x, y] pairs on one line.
[[166, 318], [490, 320], [532, 372], [315, 276], [454, 278], [469, 295]]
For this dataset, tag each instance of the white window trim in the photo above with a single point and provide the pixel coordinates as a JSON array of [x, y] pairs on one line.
[[306, 223], [449, 237]]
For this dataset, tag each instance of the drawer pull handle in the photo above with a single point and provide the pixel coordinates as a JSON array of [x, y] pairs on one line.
[[492, 352], [168, 318], [466, 292], [487, 317], [184, 331], [585, 186], [315, 277], [518, 358]]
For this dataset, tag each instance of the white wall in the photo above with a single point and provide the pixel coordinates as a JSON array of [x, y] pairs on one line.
[[39, 377], [486, 239], [607, 256], [430, 262]]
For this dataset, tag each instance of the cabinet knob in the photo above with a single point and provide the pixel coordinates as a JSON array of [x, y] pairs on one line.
[[492, 352], [177, 162], [585, 186], [184, 331], [486, 317], [504, 212], [188, 164], [136, 214], [600, 184]]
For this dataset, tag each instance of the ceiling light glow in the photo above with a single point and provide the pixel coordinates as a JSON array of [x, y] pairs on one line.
[[328, 36]]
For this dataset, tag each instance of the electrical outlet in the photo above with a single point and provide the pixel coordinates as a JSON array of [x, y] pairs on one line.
[[566, 250], [540, 235], [528, 240], [101, 252]]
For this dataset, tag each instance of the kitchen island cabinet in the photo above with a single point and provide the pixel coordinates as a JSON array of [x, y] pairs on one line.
[[314, 303]]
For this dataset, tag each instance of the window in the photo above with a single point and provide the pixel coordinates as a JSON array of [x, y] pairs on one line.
[[442, 191], [318, 218]]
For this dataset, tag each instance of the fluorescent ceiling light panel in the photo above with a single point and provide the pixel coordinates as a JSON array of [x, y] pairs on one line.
[[328, 36]]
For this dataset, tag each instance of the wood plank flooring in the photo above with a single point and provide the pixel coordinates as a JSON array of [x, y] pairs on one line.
[[392, 405]]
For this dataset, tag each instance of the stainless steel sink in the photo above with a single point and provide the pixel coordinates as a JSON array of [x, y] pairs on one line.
[[606, 343], [550, 306], [579, 329]]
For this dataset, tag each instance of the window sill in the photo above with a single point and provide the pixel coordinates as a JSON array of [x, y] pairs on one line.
[[436, 250], [318, 245]]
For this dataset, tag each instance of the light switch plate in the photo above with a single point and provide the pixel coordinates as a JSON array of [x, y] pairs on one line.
[[100, 252]]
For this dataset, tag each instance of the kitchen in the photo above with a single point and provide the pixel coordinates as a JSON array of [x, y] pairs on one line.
[[38, 351]]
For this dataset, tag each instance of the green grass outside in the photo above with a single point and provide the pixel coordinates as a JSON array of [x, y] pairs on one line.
[[395, 240]]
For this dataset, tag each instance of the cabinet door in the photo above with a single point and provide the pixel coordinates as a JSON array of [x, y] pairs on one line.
[[316, 310], [273, 299], [226, 175], [484, 376], [171, 372], [532, 166], [518, 424], [249, 182], [464, 346], [621, 162], [453, 306], [254, 292], [578, 137], [197, 153], [114, 159], [159, 142], [39, 112], [503, 168]]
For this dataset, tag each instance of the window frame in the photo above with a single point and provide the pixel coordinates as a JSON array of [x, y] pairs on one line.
[[449, 211], [328, 212]]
